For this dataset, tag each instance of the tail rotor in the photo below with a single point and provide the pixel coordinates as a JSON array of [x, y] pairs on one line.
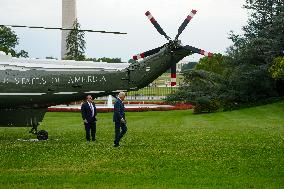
[[182, 27]]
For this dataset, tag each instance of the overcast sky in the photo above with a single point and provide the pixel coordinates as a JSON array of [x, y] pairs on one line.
[[208, 30]]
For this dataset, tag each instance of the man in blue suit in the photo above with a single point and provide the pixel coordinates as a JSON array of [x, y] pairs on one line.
[[89, 112], [119, 119]]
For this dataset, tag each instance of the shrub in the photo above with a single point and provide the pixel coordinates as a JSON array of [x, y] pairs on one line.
[[205, 105], [277, 68]]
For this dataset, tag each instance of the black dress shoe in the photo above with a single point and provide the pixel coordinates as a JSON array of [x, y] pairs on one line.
[[93, 140]]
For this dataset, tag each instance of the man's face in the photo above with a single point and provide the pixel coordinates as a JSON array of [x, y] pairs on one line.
[[122, 98], [89, 98]]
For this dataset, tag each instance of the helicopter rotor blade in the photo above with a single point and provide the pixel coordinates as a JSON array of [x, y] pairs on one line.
[[147, 53], [198, 51], [66, 29], [185, 22], [157, 25]]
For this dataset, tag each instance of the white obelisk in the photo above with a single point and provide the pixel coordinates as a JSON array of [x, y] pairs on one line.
[[69, 15]]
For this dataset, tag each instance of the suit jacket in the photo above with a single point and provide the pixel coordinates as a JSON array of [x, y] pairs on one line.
[[118, 111], [87, 112]]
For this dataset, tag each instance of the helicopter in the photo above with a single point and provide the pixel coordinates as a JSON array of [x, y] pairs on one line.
[[29, 86]]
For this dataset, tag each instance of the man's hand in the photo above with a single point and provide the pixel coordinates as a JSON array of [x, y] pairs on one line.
[[85, 121], [123, 121]]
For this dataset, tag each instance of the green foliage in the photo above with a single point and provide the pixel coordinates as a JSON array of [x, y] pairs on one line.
[[263, 14], [105, 59], [256, 51], [110, 60], [8, 42], [205, 105], [75, 43], [175, 149], [201, 88], [213, 64], [263, 38], [252, 54], [246, 84], [243, 76], [188, 66], [277, 68], [237, 85]]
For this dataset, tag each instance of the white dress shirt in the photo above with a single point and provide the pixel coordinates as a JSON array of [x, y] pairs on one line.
[[92, 108]]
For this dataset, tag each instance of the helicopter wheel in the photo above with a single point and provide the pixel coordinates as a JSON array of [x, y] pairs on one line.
[[42, 135]]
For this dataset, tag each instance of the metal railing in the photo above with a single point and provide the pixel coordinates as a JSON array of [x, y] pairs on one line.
[[153, 91], [148, 93]]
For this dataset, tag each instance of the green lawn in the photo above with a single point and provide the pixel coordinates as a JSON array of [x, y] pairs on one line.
[[167, 77], [175, 149]]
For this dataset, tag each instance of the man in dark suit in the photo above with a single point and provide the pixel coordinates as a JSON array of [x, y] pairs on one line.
[[119, 119], [89, 113]]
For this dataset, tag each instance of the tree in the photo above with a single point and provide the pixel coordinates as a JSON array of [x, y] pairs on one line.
[[105, 59], [263, 14], [277, 68], [263, 37], [277, 72], [201, 88], [250, 57], [109, 60], [213, 64], [8, 42], [242, 77], [246, 84], [75, 43], [188, 66]]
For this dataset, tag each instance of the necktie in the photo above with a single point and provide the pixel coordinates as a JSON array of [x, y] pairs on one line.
[[92, 108]]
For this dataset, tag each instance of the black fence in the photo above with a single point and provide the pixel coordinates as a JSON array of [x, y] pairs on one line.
[[153, 91]]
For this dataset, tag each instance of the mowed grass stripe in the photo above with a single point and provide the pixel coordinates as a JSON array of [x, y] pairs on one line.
[[175, 149]]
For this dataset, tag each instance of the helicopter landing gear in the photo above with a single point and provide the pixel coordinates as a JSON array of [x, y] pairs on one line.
[[41, 135]]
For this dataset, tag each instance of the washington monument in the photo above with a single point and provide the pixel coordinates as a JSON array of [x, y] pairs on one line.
[[69, 15]]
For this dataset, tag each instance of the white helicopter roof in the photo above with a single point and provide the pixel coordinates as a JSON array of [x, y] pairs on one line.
[[24, 64]]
